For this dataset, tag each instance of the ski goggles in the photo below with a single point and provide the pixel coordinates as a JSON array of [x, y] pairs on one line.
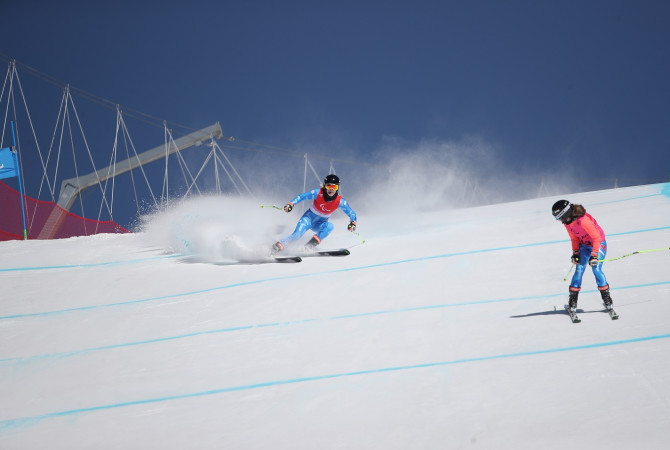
[[332, 186], [561, 215]]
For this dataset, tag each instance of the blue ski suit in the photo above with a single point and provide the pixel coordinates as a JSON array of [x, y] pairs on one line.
[[316, 217]]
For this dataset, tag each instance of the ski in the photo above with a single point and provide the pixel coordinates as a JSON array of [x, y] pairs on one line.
[[318, 253], [613, 314], [573, 315], [338, 252], [287, 259], [296, 258]]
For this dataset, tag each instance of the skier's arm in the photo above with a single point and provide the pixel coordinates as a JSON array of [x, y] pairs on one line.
[[344, 206], [593, 232], [309, 195], [574, 239]]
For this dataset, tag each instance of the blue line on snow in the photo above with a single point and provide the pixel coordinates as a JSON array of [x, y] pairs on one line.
[[638, 231], [152, 299], [29, 421], [666, 190], [303, 275], [135, 261], [82, 266], [28, 359]]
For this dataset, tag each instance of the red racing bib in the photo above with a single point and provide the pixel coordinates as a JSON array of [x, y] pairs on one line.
[[323, 208]]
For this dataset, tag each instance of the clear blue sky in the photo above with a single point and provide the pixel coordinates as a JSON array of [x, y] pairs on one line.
[[542, 81]]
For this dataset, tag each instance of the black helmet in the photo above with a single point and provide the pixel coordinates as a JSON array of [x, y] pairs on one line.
[[561, 209], [331, 179]]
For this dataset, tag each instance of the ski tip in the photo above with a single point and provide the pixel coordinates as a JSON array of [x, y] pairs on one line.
[[573, 315], [338, 252], [610, 310], [288, 259]]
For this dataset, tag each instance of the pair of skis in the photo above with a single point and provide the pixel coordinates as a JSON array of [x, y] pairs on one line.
[[575, 318], [298, 257]]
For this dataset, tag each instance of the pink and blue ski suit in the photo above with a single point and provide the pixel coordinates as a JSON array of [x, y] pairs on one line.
[[316, 217], [589, 240]]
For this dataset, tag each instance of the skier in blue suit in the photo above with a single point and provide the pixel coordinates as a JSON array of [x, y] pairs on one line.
[[325, 201]]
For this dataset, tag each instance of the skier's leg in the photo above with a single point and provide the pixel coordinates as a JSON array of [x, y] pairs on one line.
[[304, 224], [576, 283], [601, 281], [324, 230], [584, 254]]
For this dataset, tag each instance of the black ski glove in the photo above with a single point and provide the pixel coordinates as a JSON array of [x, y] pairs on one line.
[[575, 258], [593, 261], [352, 226], [288, 207]]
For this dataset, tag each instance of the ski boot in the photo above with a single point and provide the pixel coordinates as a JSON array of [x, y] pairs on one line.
[[607, 299], [276, 248], [310, 246], [572, 302]]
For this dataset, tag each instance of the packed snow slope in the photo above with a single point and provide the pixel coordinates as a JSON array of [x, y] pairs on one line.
[[443, 330]]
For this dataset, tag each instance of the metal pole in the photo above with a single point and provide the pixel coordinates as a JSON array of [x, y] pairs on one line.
[[16, 161]]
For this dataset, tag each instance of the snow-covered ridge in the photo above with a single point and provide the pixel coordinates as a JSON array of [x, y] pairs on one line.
[[443, 331]]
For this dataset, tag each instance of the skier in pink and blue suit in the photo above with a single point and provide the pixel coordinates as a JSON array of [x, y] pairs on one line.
[[326, 201], [588, 247]]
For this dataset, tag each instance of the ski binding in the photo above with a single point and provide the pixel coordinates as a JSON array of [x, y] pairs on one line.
[[610, 310], [573, 314]]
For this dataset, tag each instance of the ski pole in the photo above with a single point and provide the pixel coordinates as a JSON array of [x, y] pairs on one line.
[[569, 272], [634, 253], [359, 236], [621, 257], [272, 206]]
